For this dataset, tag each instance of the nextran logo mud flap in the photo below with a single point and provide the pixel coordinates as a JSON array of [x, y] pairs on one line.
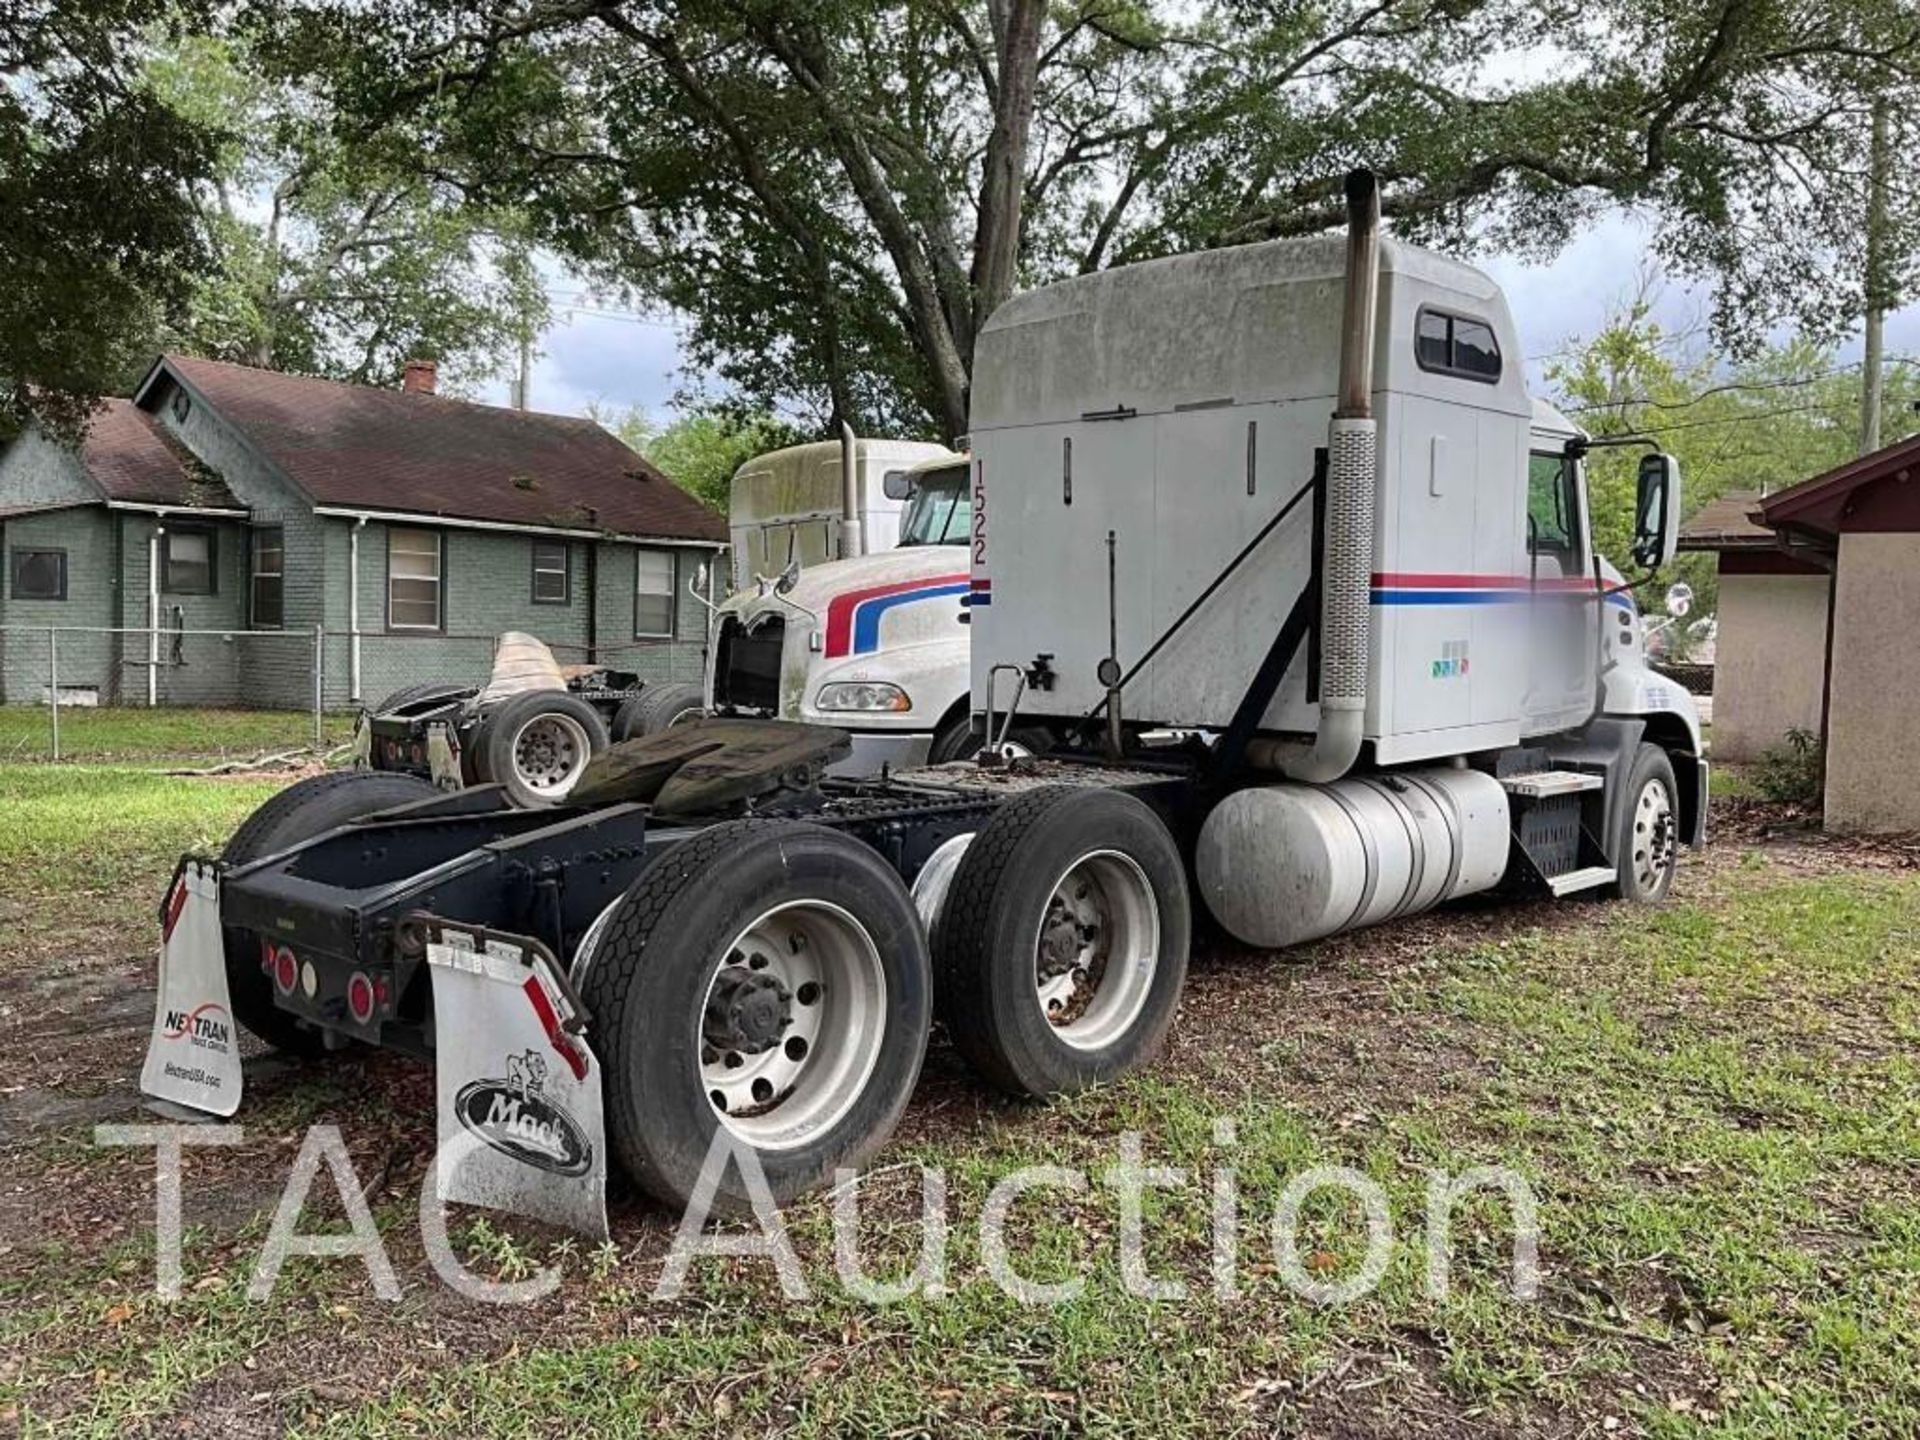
[[193, 1057], [519, 1088]]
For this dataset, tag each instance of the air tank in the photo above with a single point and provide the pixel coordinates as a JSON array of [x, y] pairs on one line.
[[1283, 864]]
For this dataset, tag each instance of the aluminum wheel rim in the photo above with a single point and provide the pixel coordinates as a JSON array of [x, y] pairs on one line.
[[818, 969], [1098, 950], [1653, 835], [549, 752]]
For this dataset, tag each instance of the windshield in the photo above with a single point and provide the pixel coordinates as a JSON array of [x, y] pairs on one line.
[[941, 510]]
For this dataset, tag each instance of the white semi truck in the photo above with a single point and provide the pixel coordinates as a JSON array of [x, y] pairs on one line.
[[1287, 506], [873, 641]]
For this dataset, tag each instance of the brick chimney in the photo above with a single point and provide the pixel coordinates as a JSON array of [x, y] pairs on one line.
[[421, 377]]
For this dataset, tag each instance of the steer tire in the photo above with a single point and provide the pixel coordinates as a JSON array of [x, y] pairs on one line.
[[657, 708], [1643, 844], [300, 812], [987, 946], [499, 732], [648, 979]]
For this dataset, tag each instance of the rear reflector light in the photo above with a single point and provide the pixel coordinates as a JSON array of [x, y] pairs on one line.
[[360, 998], [286, 970]]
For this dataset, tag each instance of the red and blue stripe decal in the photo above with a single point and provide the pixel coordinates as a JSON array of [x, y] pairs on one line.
[[853, 619], [1415, 588]]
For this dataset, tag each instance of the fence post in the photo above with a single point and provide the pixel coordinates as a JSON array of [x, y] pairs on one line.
[[319, 682], [53, 685]]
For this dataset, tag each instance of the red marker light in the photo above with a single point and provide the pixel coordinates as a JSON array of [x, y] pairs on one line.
[[360, 998], [286, 970]]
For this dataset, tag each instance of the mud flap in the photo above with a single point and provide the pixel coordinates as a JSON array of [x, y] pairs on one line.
[[520, 1119], [193, 1055], [443, 758]]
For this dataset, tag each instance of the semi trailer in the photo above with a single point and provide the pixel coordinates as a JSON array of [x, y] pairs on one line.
[[1274, 547]]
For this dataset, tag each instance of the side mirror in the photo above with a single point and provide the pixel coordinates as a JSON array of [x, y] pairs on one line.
[[1656, 511], [896, 485]]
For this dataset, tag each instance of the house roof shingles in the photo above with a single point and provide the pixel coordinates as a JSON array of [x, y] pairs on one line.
[[1726, 524], [130, 457], [354, 446]]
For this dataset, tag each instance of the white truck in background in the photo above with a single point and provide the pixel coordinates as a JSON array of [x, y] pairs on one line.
[[873, 642], [792, 506]]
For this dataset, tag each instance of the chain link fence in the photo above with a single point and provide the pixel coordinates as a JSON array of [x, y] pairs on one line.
[[105, 694]]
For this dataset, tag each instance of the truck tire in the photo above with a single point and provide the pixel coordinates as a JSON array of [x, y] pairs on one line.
[[425, 690], [657, 708], [959, 740], [1060, 885], [301, 811], [768, 977], [535, 746], [1647, 840]]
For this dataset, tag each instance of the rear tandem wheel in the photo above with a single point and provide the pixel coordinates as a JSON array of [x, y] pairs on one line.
[[766, 977], [1061, 944]]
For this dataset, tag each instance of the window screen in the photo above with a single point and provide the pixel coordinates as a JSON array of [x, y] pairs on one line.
[[187, 561], [413, 579], [39, 574], [550, 573], [269, 577], [653, 594]]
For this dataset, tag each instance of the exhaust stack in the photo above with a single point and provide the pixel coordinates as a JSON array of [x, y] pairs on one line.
[[853, 540], [1352, 479]]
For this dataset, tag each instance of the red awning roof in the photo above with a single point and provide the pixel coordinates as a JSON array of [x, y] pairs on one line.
[[1819, 504]]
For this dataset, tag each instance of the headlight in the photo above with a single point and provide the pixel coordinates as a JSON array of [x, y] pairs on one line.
[[861, 695]]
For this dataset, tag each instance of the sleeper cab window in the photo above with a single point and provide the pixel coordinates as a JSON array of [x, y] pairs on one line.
[[550, 580], [187, 554], [268, 578], [1449, 344], [38, 574], [653, 594], [413, 579]]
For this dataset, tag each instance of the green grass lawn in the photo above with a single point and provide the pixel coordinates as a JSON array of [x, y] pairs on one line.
[[106, 734], [1717, 1103]]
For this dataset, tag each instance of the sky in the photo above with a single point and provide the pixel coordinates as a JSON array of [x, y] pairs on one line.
[[619, 360]]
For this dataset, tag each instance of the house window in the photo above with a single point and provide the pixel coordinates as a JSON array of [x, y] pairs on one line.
[[269, 577], [413, 580], [1456, 345], [39, 574], [551, 584], [186, 563], [653, 594]]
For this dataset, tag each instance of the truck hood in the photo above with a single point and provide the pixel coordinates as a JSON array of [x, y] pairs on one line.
[[851, 581]]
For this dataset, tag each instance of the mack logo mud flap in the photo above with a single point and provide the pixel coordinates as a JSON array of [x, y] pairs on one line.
[[519, 1088], [193, 1057]]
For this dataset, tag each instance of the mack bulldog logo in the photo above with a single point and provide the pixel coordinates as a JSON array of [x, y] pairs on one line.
[[514, 1117]]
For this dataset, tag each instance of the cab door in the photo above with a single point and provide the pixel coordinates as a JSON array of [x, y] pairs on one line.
[[1559, 597]]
